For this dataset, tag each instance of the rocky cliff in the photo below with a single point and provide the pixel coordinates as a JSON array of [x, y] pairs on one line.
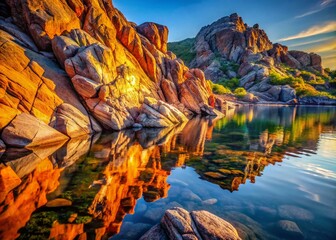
[[235, 55], [80, 66]]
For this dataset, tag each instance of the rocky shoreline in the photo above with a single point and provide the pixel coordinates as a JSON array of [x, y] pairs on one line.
[[74, 68]]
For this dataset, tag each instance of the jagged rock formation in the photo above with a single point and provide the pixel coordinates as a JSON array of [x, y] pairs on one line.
[[70, 63], [178, 223], [228, 48]]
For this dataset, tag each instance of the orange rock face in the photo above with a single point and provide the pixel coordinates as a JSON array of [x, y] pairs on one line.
[[112, 63], [44, 19]]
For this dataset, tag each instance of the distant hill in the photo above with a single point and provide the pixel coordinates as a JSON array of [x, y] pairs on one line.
[[235, 56], [184, 49]]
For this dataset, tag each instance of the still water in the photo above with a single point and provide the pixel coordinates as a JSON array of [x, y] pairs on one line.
[[270, 171]]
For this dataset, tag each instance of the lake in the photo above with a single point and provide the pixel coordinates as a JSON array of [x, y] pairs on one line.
[[270, 171]]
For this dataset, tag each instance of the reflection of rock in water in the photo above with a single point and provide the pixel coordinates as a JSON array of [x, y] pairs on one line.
[[39, 177], [138, 169], [104, 180], [103, 186], [18, 205], [246, 146]]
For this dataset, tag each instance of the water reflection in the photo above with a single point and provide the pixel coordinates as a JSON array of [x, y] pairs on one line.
[[103, 177]]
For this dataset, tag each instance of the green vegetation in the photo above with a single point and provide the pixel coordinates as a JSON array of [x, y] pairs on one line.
[[309, 91], [231, 84], [240, 92], [218, 88], [227, 65], [224, 86], [303, 88], [277, 79], [39, 226], [78, 191], [303, 84], [183, 49]]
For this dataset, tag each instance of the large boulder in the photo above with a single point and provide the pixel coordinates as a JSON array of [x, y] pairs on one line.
[[288, 229], [67, 45], [28, 131], [71, 122], [249, 97], [159, 114], [310, 61], [156, 34], [287, 93], [178, 223], [209, 225]]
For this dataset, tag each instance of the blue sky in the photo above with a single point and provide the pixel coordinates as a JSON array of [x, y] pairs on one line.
[[308, 25]]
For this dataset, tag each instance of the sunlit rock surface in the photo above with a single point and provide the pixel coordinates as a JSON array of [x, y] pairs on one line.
[[177, 223], [72, 63], [234, 54], [27, 131]]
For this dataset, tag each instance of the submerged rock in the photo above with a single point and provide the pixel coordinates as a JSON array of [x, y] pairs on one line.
[[289, 229], [294, 213], [210, 201], [178, 223], [59, 202]]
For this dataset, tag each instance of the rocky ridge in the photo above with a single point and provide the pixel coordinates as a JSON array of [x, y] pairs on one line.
[[234, 54], [80, 66]]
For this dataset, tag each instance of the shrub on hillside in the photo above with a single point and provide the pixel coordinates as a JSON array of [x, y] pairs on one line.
[[309, 91], [218, 88], [183, 49], [240, 92], [232, 83], [277, 79]]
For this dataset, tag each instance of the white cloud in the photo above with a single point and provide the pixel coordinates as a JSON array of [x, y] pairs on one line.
[[326, 2], [311, 42], [323, 5], [328, 46], [312, 31]]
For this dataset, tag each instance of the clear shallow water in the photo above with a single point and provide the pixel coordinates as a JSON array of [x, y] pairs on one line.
[[253, 168]]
